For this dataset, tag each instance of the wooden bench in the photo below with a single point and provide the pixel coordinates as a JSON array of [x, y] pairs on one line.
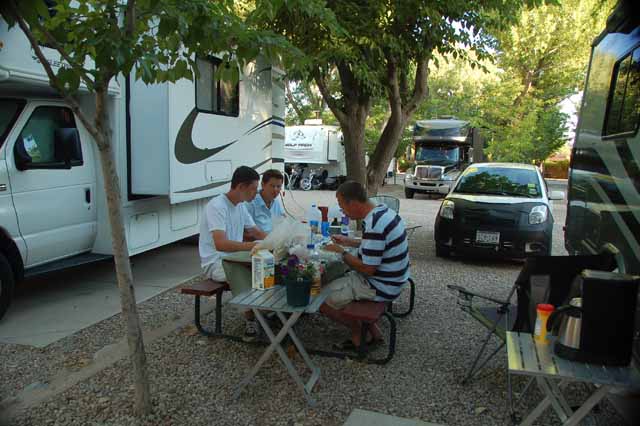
[[207, 288], [368, 313]]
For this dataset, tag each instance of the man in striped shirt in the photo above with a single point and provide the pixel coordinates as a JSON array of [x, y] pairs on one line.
[[381, 267]]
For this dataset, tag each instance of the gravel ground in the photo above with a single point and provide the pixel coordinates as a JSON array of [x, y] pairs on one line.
[[193, 377]]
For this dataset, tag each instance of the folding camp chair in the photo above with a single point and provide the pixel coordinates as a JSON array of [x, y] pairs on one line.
[[394, 204], [543, 279]]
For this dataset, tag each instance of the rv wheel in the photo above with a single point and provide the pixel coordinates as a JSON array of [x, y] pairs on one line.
[[408, 192], [306, 184], [6, 284]]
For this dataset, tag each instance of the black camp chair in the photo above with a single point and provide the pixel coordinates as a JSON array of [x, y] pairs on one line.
[[543, 279]]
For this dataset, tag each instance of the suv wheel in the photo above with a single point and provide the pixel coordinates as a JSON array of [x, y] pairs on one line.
[[6, 284]]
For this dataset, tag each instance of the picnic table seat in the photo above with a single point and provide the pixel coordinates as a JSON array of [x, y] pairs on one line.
[[208, 288], [368, 312]]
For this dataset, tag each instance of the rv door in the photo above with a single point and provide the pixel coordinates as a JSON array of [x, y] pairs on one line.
[[53, 182]]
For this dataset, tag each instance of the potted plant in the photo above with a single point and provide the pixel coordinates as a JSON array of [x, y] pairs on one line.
[[297, 277]]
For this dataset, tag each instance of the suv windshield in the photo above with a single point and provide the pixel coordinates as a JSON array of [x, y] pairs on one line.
[[9, 110], [439, 155], [500, 181]]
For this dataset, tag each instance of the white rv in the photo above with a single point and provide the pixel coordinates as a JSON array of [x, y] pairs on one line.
[[317, 147], [175, 146]]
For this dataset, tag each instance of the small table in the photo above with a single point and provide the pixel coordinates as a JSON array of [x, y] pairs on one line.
[[527, 357], [275, 300]]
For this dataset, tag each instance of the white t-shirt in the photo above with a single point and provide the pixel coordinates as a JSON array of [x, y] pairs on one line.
[[221, 215]]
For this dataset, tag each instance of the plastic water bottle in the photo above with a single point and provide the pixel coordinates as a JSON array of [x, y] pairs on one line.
[[314, 216], [314, 258], [344, 225]]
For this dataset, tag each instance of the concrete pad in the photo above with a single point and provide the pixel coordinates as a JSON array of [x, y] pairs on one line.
[[56, 305], [360, 417]]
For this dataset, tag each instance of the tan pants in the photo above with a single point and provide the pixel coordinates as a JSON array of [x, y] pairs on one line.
[[347, 288]]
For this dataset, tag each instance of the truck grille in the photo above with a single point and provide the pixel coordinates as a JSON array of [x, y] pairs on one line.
[[428, 172]]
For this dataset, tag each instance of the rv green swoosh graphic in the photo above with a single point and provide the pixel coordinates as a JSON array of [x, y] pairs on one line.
[[187, 153]]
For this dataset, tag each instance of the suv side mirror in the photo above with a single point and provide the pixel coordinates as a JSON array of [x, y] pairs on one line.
[[67, 146]]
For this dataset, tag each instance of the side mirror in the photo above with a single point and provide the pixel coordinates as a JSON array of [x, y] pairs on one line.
[[67, 145], [556, 195]]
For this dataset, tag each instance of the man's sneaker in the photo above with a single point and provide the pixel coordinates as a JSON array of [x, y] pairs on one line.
[[250, 330]]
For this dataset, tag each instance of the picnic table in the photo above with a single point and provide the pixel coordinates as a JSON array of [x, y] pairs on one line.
[[275, 300], [528, 357]]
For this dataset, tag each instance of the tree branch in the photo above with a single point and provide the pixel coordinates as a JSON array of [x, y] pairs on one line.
[[53, 42], [293, 102], [393, 88], [420, 90], [330, 100], [131, 18], [53, 80]]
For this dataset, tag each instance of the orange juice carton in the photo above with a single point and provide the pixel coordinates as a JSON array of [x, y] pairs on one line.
[[262, 270]]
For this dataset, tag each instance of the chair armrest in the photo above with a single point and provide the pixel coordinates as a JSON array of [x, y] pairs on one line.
[[470, 294]]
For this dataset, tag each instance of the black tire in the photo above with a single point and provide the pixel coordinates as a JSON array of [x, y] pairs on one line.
[[7, 284], [408, 192], [442, 251]]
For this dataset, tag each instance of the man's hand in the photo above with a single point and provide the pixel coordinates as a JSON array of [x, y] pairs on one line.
[[334, 248], [340, 239], [345, 241]]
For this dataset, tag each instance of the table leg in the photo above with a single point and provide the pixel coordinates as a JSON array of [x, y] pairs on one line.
[[584, 409], [549, 398], [275, 345], [560, 405], [315, 371]]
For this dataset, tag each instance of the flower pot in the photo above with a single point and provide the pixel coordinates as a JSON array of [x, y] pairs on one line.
[[298, 292]]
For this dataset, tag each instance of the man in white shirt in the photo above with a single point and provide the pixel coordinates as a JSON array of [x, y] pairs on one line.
[[267, 205], [225, 222]]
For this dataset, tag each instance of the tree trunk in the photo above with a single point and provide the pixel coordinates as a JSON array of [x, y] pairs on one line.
[[385, 149], [353, 132], [142, 402], [400, 113]]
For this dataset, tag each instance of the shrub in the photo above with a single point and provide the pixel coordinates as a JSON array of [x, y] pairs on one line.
[[558, 169]]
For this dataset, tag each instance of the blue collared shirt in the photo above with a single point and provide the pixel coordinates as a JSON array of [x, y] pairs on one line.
[[263, 215]]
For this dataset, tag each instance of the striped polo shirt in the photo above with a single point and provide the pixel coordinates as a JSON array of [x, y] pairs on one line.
[[384, 244]]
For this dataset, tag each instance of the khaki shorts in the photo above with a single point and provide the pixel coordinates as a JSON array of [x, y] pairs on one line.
[[351, 286]]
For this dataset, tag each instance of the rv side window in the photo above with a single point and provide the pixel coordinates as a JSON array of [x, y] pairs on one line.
[[213, 95], [40, 144], [623, 109]]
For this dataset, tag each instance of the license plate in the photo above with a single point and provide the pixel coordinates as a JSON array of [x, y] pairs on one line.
[[484, 237]]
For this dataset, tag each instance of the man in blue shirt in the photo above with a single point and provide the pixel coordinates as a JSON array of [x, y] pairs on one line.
[[267, 205]]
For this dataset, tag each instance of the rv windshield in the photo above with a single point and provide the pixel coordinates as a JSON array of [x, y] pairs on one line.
[[9, 110], [439, 155]]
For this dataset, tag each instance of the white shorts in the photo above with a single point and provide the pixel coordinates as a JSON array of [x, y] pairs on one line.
[[215, 272], [349, 287]]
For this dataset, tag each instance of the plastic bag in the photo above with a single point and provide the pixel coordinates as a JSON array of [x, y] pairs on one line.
[[286, 232]]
